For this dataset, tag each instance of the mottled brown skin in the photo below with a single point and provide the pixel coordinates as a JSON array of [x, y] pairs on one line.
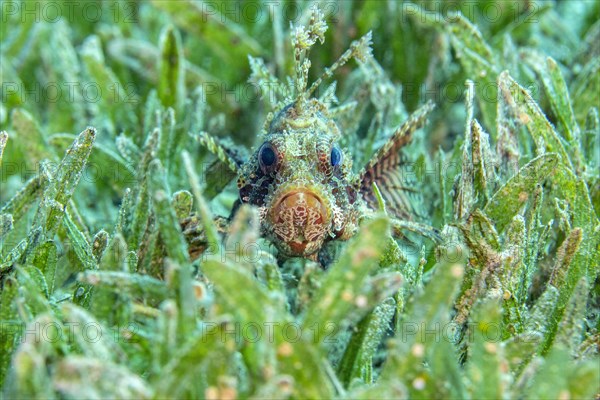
[[303, 199], [195, 236]]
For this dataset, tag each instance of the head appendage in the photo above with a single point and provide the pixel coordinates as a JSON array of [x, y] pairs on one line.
[[359, 49], [284, 92], [303, 38]]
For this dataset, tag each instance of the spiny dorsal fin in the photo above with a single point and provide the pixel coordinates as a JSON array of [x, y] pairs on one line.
[[384, 169]]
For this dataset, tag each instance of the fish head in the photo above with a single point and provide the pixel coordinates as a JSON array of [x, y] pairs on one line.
[[300, 178]]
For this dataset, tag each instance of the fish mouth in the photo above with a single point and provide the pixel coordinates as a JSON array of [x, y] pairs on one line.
[[300, 221]]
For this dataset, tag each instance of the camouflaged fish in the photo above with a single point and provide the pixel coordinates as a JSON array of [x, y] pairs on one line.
[[300, 178]]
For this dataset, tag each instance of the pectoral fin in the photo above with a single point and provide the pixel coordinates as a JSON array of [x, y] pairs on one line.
[[388, 169], [224, 169]]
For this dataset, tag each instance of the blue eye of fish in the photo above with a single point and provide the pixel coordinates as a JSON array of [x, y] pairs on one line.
[[267, 155], [336, 156]]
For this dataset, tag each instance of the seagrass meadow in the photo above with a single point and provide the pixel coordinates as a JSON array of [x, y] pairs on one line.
[[118, 121]]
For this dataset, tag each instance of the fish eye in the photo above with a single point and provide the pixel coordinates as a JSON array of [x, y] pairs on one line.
[[267, 156], [336, 156]]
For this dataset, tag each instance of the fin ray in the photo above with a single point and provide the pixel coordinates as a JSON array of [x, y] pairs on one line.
[[226, 155], [384, 168]]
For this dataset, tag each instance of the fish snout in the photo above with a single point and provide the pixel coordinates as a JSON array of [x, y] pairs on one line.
[[301, 220]]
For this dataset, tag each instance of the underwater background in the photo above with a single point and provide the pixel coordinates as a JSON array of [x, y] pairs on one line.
[[114, 119]]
